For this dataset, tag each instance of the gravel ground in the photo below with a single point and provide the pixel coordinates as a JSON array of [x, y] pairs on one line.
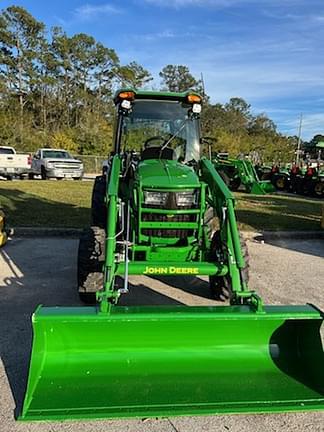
[[34, 271]]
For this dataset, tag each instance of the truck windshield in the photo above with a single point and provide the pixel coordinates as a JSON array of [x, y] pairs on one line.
[[156, 123], [57, 154], [4, 150]]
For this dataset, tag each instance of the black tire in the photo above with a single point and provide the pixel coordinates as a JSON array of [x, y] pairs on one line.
[[91, 257], [224, 177], [31, 176], [59, 178], [235, 183], [98, 206], [280, 182], [318, 189], [9, 178], [43, 173], [220, 286]]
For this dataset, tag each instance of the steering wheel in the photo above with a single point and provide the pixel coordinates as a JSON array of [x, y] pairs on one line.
[[155, 138]]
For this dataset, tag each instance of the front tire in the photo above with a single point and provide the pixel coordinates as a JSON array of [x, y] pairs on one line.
[[221, 286], [91, 257], [98, 206], [280, 183]]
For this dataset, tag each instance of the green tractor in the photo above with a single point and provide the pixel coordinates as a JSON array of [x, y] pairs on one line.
[[237, 172], [150, 218]]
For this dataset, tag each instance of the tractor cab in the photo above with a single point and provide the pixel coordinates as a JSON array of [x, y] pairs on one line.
[[158, 127]]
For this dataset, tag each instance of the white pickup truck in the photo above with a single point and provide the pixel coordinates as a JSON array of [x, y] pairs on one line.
[[55, 163], [13, 164]]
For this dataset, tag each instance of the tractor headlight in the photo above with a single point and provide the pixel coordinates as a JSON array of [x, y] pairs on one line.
[[155, 198], [186, 198]]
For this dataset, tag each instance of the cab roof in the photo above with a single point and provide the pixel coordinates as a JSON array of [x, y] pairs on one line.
[[157, 95]]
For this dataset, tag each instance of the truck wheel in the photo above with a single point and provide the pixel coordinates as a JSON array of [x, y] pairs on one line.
[[9, 178], [31, 176], [91, 257], [221, 286], [98, 207], [43, 173]]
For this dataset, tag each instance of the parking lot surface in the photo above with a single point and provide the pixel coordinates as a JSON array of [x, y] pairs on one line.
[[43, 271]]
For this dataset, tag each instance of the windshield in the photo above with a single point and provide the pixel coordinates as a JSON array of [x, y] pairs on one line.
[[5, 150], [159, 123], [57, 154]]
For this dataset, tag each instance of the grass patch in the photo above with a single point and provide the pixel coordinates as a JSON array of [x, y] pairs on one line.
[[277, 212], [48, 203], [67, 204]]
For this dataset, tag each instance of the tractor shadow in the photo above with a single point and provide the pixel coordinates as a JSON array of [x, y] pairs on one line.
[[189, 284]]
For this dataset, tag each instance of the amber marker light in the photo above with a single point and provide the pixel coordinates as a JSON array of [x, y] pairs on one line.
[[126, 95], [194, 98]]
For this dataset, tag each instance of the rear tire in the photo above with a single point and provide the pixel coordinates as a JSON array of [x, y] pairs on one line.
[[31, 176], [221, 286], [98, 206], [91, 257]]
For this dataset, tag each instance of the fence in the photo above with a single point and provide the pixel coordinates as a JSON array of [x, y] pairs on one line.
[[92, 164]]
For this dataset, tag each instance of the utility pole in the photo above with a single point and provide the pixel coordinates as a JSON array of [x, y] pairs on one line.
[[299, 137], [202, 83]]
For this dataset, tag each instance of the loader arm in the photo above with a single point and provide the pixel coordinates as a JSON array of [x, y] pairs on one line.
[[108, 296], [223, 203]]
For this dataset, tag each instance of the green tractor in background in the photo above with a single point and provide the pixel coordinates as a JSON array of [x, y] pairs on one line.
[[149, 217], [241, 172], [303, 179]]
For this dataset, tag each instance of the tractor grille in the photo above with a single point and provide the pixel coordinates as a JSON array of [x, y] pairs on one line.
[[168, 233]]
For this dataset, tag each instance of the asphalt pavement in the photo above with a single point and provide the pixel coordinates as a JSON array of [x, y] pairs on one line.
[[43, 271]]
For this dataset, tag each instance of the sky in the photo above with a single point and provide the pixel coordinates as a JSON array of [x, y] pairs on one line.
[[269, 52]]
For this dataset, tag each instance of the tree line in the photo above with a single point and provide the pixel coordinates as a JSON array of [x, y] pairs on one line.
[[57, 90]]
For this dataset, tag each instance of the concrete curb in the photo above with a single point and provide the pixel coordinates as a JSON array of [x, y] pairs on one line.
[[288, 235], [45, 232], [248, 235]]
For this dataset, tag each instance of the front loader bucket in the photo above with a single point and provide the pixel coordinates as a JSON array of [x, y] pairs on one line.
[[262, 187], [165, 361]]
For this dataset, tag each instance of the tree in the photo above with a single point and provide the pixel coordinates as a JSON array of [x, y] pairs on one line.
[[134, 75], [21, 37], [177, 78]]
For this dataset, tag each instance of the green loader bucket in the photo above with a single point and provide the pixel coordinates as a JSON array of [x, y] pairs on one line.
[[262, 187], [166, 361]]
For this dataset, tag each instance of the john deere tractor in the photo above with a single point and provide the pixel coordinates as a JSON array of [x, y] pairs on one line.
[[241, 172], [150, 216]]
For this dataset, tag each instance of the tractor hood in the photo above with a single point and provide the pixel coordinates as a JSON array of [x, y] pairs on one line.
[[166, 174]]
